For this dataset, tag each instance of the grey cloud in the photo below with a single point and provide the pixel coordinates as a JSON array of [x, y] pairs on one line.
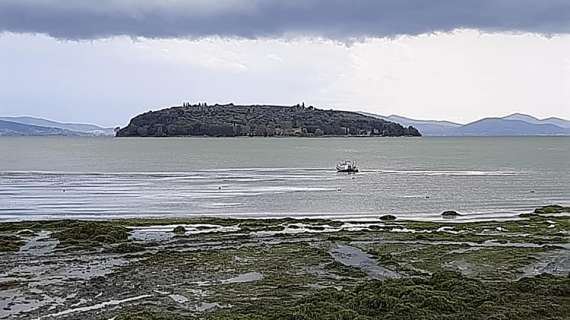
[[335, 19]]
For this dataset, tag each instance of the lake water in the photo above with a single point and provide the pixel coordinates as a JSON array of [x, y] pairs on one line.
[[63, 177]]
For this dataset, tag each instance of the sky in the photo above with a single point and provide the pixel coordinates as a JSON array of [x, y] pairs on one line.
[[106, 61]]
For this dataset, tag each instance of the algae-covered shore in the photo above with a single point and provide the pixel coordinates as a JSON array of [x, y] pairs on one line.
[[213, 268]]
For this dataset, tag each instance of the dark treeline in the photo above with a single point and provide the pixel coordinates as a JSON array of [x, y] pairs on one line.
[[258, 120]]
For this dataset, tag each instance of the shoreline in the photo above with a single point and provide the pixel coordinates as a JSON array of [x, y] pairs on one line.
[[219, 268], [462, 218]]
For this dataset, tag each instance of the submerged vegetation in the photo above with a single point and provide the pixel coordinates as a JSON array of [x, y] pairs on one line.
[[288, 269], [91, 233], [10, 243]]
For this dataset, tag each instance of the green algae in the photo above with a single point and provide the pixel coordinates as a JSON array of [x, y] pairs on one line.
[[126, 247], [300, 280], [88, 233], [498, 263], [10, 243], [445, 295], [179, 230], [552, 209], [257, 223], [151, 315]]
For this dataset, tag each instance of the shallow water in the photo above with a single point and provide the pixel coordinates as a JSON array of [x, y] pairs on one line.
[[92, 307], [414, 178], [354, 257], [244, 277]]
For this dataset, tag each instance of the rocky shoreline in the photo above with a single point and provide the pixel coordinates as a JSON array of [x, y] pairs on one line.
[[215, 268]]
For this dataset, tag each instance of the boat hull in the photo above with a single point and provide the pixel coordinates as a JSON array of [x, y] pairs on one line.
[[347, 167]]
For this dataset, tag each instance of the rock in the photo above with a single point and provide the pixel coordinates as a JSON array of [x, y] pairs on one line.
[[450, 213], [388, 217], [552, 209], [528, 215], [179, 230]]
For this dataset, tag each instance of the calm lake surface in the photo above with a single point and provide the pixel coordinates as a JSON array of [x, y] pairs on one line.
[[63, 177]]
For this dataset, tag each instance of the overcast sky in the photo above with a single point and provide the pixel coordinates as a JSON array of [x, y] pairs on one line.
[[108, 60]]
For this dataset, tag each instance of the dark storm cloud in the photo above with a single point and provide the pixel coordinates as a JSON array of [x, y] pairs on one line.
[[335, 19]]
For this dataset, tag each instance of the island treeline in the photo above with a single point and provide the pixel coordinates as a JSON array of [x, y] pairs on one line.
[[258, 120]]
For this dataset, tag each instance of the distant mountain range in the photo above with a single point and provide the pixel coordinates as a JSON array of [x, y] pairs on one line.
[[29, 126], [9, 128], [516, 124], [530, 119]]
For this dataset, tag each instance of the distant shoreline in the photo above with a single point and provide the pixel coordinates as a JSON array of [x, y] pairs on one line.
[[281, 137]]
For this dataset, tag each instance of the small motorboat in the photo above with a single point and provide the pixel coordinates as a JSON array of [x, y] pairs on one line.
[[347, 166]]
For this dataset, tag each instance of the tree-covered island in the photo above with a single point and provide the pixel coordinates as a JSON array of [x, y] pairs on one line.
[[231, 120]]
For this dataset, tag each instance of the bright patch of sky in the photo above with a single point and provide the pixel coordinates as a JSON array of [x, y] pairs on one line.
[[459, 76]]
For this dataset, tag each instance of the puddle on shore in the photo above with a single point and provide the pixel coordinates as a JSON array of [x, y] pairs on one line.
[[554, 262], [354, 257], [241, 278], [41, 273], [166, 232], [465, 268], [38, 276], [13, 302], [178, 298], [465, 250], [298, 228], [39, 245], [244, 277], [92, 307], [205, 306], [486, 244]]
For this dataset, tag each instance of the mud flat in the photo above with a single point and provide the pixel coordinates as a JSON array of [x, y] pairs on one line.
[[287, 269]]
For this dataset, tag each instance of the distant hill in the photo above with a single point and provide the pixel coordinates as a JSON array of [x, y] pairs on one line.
[[426, 127], [530, 119], [503, 127], [516, 124], [77, 127], [259, 120], [8, 128]]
